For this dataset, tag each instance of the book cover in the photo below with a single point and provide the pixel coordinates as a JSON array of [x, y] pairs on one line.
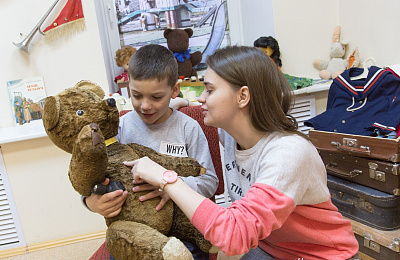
[[27, 97]]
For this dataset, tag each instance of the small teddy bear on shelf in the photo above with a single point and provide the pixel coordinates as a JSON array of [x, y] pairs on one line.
[[333, 68], [178, 43], [122, 57]]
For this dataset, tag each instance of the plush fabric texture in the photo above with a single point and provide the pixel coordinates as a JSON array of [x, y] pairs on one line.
[[79, 120], [334, 67]]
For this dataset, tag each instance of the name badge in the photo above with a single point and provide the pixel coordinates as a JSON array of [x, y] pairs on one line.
[[177, 150]]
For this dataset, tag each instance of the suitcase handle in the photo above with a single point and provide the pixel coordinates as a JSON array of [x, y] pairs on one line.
[[362, 150], [352, 204], [332, 167]]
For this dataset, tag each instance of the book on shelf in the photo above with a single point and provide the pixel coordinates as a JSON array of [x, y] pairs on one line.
[[27, 97]]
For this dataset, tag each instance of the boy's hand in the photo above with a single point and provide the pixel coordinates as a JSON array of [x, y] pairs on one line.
[[109, 204], [155, 192]]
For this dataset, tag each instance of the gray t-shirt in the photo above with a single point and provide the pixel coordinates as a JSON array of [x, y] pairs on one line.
[[181, 136], [287, 162]]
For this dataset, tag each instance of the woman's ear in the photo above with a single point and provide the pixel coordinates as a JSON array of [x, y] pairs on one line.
[[243, 96], [176, 90]]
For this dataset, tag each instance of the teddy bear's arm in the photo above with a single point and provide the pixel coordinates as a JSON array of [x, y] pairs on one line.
[[184, 166], [196, 58], [89, 160], [320, 64]]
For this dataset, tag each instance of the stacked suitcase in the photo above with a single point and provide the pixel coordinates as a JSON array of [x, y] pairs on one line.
[[364, 182]]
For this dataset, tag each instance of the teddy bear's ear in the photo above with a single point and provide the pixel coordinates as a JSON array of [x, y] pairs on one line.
[[51, 113], [166, 32], [189, 31], [86, 84]]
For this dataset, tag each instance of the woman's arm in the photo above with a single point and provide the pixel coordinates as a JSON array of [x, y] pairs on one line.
[[145, 170]]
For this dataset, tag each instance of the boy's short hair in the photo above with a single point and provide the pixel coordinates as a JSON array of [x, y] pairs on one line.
[[153, 61]]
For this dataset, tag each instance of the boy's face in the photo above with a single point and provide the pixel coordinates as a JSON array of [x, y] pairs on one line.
[[150, 99]]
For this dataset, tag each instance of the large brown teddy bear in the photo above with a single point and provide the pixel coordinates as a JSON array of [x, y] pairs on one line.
[[79, 121], [178, 43]]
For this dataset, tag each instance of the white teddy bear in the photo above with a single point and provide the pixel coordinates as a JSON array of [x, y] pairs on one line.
[[333, 68]]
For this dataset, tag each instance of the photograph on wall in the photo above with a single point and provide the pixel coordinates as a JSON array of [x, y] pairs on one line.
[[27, 97], [143, 22]]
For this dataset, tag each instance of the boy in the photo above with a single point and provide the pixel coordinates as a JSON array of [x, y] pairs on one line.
[[153, 74]]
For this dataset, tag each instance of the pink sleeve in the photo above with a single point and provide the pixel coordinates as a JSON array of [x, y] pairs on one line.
[[237, 229]]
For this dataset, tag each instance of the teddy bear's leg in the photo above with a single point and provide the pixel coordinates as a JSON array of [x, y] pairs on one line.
[[136, 241], [182, 228], [89, 160]]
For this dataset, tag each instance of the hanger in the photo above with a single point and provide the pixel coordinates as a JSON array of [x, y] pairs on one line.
[[364, 74]]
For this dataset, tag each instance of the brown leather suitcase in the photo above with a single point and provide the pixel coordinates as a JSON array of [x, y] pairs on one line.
[[358, 145], [369, 206], [380, 175], [377, 244]]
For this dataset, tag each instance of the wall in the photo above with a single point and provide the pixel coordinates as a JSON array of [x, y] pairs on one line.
[[47, 205], [304, 31]]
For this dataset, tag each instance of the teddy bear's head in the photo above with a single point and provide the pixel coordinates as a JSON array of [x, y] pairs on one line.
[[178, 39], [65, 114]]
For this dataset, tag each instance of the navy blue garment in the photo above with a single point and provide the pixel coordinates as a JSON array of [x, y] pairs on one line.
[[363, 106]]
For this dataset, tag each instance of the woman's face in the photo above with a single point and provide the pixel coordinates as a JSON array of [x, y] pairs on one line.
[[218, 100]]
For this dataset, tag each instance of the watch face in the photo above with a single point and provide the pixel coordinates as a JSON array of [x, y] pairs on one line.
[[170, 176]]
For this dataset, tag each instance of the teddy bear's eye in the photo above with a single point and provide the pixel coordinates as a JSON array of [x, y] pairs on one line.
[[80, 112]]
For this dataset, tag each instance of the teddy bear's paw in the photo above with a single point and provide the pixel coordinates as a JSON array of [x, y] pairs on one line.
[[176, 250], [213, 250], [324, 74]]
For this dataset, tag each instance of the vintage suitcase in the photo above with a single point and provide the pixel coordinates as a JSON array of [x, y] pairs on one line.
[[369, 206], [380, 175], [358, 145], [377, 244]]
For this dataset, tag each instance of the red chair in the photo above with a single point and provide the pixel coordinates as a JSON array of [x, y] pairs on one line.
[[211, 134]]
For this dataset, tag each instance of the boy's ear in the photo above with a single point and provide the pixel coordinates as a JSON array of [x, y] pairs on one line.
[[243, 96], [175, 90]]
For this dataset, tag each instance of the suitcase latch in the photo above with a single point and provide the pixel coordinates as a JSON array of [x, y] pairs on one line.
[[367, 206], [350, 142], [374, 174], [368, 243]]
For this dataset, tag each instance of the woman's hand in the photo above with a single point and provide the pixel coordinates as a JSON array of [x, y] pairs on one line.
[[146, 170], [155, 192]]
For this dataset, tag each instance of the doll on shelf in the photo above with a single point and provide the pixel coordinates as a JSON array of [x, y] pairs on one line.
[[122, 57], [270, 46]]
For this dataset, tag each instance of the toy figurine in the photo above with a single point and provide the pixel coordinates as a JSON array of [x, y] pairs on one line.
[[270, 46], [122, 57]]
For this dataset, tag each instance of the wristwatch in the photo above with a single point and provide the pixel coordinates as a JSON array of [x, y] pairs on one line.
[[168, 177]]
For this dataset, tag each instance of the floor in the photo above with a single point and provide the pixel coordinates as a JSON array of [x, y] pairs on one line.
[[78, 251]]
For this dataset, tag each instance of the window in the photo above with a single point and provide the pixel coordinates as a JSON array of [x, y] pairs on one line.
[[141, 22]]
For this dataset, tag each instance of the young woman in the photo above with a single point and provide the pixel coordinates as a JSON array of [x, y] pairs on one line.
[[281, 205]]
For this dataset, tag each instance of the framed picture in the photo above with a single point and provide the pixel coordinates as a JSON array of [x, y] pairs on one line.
[[142, 22]]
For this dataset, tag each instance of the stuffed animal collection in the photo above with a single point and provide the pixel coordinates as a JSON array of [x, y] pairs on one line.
[[178, 43], [79, 121], [333, 68]]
